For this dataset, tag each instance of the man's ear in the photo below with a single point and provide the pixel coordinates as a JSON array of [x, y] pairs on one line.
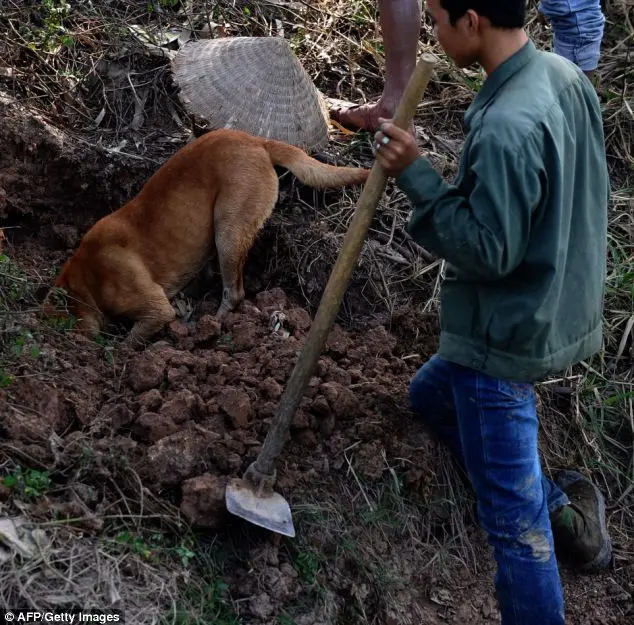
[[472, 21]]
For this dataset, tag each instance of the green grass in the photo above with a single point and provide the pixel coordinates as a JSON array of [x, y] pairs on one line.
[[17, 287], [374, 533], [27, 483], [202, 604], [205, 598]]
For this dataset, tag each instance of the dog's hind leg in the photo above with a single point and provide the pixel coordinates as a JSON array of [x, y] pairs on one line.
[[155, 313], [238, 219], [232, 252]]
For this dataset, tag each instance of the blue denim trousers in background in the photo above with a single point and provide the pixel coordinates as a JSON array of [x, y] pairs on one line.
[[577, 30], [491, 426]]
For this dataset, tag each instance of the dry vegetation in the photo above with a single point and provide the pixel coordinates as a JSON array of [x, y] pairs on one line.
[[103, 93]]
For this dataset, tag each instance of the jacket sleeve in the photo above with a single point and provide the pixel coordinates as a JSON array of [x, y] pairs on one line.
[[483, 236]]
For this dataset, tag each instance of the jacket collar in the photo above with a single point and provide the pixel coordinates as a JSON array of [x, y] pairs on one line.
[[499, 76]]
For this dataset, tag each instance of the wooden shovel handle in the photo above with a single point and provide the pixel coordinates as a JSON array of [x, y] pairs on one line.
[[337, 283]]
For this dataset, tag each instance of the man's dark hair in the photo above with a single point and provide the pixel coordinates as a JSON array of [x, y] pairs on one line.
[[501, 13]]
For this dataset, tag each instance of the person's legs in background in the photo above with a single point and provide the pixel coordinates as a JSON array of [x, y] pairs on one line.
[[577, 35], [577, 30], [400, 25]]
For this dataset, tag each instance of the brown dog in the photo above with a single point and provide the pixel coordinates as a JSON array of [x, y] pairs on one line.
[[214, 194]]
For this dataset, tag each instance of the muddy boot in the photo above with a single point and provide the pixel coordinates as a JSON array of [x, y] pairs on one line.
[[579, 529]]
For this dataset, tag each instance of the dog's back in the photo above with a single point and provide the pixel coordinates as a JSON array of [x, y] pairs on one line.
[[215, 192]]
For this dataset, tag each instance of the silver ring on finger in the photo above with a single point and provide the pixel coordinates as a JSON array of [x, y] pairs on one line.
[[379, 144]]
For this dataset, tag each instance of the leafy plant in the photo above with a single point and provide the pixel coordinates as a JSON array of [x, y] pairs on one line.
[[6, 379], [157, 5], [204, 604], [54, 34], [30, 484], [308, 565], [23, 341]]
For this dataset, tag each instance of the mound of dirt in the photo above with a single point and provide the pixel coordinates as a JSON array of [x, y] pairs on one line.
[[46, 172], [191, 410]]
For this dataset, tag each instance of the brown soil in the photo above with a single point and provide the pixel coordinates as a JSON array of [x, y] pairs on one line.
[[169, 425]]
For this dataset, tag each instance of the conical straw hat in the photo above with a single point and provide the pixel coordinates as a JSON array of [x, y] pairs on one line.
[[254, 84]]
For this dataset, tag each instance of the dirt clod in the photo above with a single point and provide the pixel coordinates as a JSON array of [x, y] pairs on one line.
[[260, 606], [203, 503], [271, 388], [118, 415], [151, 427], [177, 376], [245, 335], [338, 342], [178, 330], [379, 342], [183, 405], [150, 401], [281, 583], [227, 461], [341, 400], [146, 372], [306, 437], [235, 403], [298, 320], [42, 413], [67, 235], [177, 457], [208, 328], [320, 407]]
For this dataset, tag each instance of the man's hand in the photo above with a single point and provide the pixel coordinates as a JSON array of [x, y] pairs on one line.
[[396, 149]]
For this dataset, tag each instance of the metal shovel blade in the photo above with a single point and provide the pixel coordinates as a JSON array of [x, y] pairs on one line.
[[267, 509]]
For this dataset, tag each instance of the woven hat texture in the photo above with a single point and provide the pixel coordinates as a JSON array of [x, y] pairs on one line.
[[254, 84]]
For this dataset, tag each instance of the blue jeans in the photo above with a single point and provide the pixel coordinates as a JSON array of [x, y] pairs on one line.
[[577, 30], [491, 427]]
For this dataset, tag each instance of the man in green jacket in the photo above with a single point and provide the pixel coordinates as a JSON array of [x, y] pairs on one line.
[[523, 230]]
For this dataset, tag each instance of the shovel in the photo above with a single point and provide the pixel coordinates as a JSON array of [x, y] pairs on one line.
[[252, 497]]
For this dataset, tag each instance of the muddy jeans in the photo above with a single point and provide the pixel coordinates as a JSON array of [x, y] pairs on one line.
[[577, 30], [491, 427]]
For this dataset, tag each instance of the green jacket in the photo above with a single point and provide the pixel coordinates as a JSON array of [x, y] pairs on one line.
[[523, 228]]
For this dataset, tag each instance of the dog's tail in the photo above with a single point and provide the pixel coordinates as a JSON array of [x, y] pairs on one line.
[[310, 171]]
